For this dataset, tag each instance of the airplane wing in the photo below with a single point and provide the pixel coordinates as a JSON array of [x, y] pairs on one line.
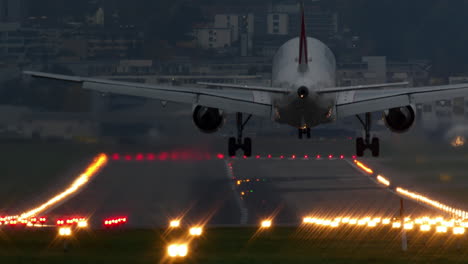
[[351, 103], [234, 100]]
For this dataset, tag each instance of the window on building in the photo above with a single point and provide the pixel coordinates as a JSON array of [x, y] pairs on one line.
[[276, 24], [275, 17]]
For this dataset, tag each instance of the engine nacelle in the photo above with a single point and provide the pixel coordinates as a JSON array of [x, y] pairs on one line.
[[401, 119], [208, 120]]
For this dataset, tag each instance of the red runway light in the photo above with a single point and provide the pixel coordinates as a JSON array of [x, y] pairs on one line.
[[151, 156], [245, 157], [318, 156], [115, 156], [220, 156], [281, 157], [269, 156], [342, 157], [139, 157], [306, 156], [187, 156], [330, 156], [354, 157], [257, 157], [293, 156], [163, 156]]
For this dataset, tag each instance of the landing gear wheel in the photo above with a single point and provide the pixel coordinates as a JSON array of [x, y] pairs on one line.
[[235, 144], [360, 147], [367, 143], [375, 147], [248, 147], [232, 147], [304, 131]]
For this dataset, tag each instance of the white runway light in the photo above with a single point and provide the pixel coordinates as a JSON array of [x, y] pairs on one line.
[[99, 162], [65, 231], [177, 250], [266, 224], [441, 229], [196, 231], [425, 228], [82, 224], [458, 230], [174, 223]]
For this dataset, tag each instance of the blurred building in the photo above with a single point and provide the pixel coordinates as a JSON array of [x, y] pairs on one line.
[[278, 24], [13, 10], [28, 44], [376, 69], [213, 38], [117, 44], [226, 31]]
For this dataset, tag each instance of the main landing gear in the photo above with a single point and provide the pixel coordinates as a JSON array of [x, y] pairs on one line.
[[240, 143], [365, 143], [304, 131]]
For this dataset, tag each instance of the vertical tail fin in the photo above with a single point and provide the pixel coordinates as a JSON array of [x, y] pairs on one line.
[[303, 53]]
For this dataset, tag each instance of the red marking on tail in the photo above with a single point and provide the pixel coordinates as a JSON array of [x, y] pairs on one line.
[[303, 54]]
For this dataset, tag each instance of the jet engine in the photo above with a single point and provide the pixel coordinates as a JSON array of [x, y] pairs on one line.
[[208, 120], [399, 120]]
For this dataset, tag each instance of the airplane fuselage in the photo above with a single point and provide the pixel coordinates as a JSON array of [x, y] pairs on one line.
[[303, 107]]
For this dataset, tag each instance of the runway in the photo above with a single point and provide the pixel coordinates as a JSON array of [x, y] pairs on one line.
[[226, 192], [325, 188], [201, 187]]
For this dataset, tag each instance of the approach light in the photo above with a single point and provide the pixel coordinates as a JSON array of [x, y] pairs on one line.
[[458, 230], [65, 231], [177, 250], [82, 224], [425, 228], [174, 223], [266, 224], [441, 229], [196, 231]]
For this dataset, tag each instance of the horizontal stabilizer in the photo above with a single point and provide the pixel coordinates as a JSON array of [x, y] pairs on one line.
[[361, 87], [246, 87]]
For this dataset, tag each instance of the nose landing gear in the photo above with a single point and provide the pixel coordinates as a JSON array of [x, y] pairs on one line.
[[304, 131]]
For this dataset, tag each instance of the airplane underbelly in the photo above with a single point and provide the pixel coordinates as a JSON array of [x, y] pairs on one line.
[[307, 113]]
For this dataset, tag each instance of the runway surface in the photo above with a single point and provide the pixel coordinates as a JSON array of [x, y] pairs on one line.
[[150, 193], [231, 192]]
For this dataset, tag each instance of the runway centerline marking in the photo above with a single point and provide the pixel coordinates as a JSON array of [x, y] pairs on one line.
[[242, 208]]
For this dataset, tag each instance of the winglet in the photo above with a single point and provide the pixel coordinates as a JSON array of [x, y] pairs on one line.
[[303, 53]]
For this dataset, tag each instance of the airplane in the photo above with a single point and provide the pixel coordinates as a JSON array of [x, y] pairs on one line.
[[303, 94]]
